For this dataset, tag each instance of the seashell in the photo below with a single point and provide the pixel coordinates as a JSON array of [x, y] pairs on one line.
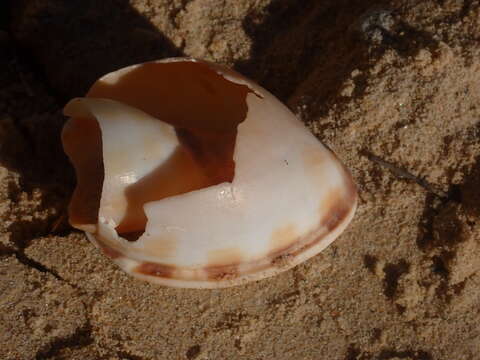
[[190, 175]]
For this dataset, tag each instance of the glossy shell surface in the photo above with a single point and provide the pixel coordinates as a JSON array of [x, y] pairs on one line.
[[190, 175]]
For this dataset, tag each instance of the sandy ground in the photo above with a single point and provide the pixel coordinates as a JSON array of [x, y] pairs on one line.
[[393, 87]]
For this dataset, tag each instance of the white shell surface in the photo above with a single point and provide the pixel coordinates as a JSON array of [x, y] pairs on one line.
[[123, 146], [289, 199]]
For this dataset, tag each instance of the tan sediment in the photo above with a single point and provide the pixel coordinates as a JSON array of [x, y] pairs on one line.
[[401, 283]]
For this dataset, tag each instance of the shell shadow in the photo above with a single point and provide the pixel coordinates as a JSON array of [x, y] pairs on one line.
[[55, 51], [292, 40], [310, 49], [75, 42]]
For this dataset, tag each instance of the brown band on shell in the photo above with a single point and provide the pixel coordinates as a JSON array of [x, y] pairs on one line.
[[153, 269], [226, 272], [340, 206], [339, 210], [282, 261], [336, 214]]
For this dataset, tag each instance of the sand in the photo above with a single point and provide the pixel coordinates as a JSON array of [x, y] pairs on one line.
[[393, 87]]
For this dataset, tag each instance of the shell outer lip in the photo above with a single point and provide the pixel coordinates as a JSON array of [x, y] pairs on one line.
[[282, 260]]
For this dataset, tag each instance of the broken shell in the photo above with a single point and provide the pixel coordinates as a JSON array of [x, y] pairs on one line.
[[190, 175]]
